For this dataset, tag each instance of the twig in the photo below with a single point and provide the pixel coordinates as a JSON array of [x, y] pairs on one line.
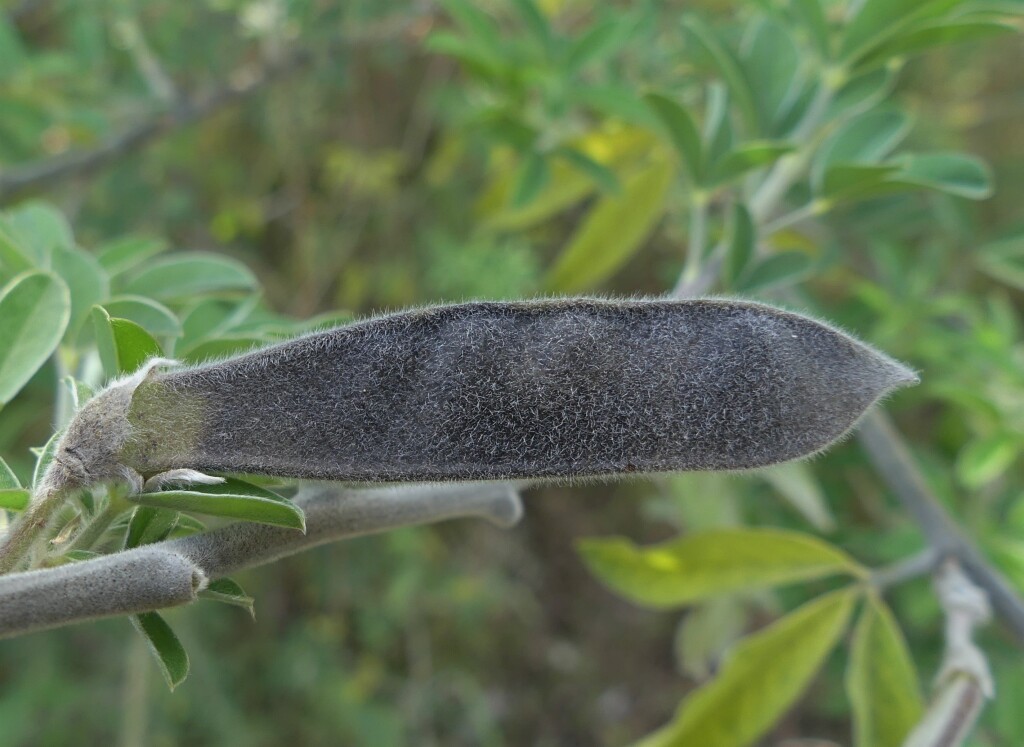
[[897, 468], [964, 681], [172, 572], [904, 570], [185, 111]]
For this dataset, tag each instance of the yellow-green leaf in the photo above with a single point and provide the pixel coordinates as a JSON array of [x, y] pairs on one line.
[[761, 678], [881, 680], [613, 231], [712, 563]]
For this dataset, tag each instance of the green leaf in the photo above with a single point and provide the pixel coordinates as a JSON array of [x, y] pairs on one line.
[[775, 68], [849, 181], [812, 17], [35, 308], [747, 157], [45, 456], [707, 632], [39, 228], [863, 91], [953, 173], [600, 174], [782, 268], [878, 20], [8, 480], [479, 26], [13, 258], [795, 482], [613, 231], [165, 646], [928, 37], [717, 125], [129, 252], [151, 315], [232, 499], [533, 175], [185, 274], [712, 563], [864, 139], [148, 525], [597, 43], [881, 681], [123, 345], [535, 21], [87, 282], [228, 592], [682, 130], [742, 240], [79, 391], [222, 347], [14, 499], [761, 678], [728, 67], [1003, 260], [986, 459]]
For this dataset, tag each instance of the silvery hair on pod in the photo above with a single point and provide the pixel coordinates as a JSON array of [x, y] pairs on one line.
[[475, 391]]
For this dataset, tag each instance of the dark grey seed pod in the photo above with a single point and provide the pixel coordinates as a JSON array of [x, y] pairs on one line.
[[555, 388]]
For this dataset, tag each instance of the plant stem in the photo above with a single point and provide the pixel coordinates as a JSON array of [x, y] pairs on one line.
[[896, 466], [782, 176], [22, 536], [906, 569], [697, 240]]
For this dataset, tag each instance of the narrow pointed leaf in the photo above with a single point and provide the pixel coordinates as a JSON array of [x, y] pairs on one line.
[[728, 67], [761, 679], [164, 644], [8, 480], [229, 592], [45, 456], [865, 139], [712, 563], [881, 681], [742, 240], [782, 268], [35, 308], [796, 483], [746, 158], [682, 130], [232, 499], [533, 175]]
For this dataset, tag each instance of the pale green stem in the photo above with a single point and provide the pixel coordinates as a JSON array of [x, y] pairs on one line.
[[697, 241], [790, 168]]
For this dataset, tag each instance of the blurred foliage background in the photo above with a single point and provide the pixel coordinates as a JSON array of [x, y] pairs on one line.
[[365, 156]]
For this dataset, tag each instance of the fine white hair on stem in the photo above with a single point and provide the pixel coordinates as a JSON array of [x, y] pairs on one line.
[[172, 572]]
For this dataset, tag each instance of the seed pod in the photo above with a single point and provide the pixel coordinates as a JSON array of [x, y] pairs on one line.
[[555, 388]]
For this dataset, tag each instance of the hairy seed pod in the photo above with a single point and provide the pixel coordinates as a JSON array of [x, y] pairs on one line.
[[552, 388]]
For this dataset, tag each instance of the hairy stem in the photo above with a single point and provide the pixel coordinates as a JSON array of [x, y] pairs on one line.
[[172, 572], [21, 537]]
